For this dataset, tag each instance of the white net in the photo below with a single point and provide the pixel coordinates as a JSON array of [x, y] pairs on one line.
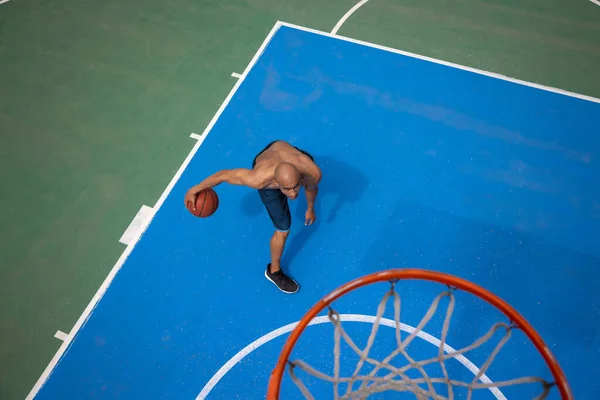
[[383, 376]]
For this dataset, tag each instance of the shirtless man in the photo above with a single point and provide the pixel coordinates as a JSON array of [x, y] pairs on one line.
[[277, 172]]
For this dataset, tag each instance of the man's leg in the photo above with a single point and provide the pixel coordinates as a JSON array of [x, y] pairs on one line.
[[277, 245], [277, 207]]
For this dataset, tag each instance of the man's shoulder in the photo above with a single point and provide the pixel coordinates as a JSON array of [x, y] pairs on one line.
[[312, 176], [264, 172], [315, 170]]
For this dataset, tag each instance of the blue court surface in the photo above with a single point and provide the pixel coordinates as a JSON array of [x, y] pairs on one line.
[[425, 165]]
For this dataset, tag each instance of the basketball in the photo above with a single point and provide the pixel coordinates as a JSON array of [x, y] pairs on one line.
[[207, 203]]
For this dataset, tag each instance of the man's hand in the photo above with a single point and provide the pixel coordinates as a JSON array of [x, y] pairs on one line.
[[190, 197], [310, 216]]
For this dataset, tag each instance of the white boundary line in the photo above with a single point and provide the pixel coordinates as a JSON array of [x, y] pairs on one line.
[[345, 318], [96, 298], [4, 1], [88, 310], [236, 75], [337, 26], [445, 63], [596, 2]]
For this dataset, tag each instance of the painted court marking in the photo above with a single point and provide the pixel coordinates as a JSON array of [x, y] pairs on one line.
[[345, 318], [4, 1], [60, 335], [337, 26], [196, 136], [200, 139], [596, 2], [236, 75], [137, 226]]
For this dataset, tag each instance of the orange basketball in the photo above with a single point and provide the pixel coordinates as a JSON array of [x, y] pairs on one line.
[[207, 203]]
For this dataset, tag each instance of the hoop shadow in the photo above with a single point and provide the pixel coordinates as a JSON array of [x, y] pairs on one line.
[[340, 180]]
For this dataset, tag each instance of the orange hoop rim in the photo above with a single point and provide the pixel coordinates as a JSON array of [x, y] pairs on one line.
[[427, 275]]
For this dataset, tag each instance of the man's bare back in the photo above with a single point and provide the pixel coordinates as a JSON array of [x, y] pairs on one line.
[[282, 152]]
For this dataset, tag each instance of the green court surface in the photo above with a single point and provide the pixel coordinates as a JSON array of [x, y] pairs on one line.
[[98, 101]]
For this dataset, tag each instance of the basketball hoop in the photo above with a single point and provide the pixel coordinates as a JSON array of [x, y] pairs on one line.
[[397, 379]]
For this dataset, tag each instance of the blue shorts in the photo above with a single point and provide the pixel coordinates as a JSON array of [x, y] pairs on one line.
[[276, 202]]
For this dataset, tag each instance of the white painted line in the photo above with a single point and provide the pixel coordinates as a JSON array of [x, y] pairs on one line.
[[4, 1], [60, 335], [196, 136], [236, 75], [345, 318], [137, 226], [337, 26], [448, 64], [92, 304], [596, 2]]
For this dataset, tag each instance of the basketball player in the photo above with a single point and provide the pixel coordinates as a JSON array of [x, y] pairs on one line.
[[278, 172]]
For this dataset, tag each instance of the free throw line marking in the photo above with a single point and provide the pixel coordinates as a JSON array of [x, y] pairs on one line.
[[345, 318]]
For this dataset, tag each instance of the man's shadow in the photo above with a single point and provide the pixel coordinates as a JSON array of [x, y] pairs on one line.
[[340, 180]]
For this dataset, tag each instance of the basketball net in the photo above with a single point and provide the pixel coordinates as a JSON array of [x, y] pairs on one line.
[[391, 378]]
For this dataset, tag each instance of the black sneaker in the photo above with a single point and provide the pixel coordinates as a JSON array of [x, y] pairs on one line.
[[281, 280]]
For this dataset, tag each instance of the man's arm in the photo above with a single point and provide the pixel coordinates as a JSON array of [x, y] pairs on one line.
[[311, 190], [311, 195], [238, 176]]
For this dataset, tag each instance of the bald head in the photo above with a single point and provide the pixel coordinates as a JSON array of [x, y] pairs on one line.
[[287, 175]]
